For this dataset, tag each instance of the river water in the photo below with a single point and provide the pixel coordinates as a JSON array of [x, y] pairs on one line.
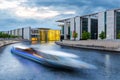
[[14, 67]]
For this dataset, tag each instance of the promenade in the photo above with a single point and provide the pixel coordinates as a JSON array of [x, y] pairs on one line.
[[108, 45], [6, 42]]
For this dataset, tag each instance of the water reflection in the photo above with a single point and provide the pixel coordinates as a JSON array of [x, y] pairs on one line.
[[34, 42], [41, 42], [107, 66]]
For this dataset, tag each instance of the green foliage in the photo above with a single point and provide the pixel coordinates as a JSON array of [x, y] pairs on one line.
[[75, 35], [4, 35], [102, 35], [86, 35], [118, 35]]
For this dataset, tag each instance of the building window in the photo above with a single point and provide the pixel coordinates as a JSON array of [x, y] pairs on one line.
[[62, 29], [105, 21], [84, 24], [117, 23], [74, 25], [94, 28]]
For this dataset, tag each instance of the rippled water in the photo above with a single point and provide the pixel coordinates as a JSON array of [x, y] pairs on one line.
[[13, 67]]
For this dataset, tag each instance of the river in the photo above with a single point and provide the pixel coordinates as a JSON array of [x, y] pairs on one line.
[[14, 67]]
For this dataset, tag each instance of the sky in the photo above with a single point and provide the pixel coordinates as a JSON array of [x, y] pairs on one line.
[[44, 13]]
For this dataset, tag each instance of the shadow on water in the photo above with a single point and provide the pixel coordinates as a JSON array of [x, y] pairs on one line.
[[2, 49], [92, 50]]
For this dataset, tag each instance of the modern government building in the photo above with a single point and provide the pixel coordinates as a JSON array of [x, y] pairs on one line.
[[35, 34], [107, 21]]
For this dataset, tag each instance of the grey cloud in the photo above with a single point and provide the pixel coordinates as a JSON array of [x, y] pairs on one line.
[[81, 7]]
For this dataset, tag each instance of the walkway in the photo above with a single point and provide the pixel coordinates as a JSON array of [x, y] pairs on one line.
[[6, 42]]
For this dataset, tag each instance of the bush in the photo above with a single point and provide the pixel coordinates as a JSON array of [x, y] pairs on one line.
[[4, 35], [85, 35], [102, 35], [75, 35], [118, 35]]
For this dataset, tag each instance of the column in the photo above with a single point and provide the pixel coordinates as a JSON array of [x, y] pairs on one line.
[[65, 29], [110, 24], [71, 28], [77, 20], [89, 24], [101, 23]]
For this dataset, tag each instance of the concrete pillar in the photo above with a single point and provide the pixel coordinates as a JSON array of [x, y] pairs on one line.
[[110, 24], [27, 33], [77, 20], [65, 29], [101, 23], [71, 28], [89, 24]]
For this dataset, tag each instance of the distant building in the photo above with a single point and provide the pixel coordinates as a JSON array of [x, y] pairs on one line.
[[36, 34], [47, 34], [107, 21]]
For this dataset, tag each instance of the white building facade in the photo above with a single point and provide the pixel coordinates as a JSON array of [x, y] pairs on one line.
[[24, 33], [107, 21]]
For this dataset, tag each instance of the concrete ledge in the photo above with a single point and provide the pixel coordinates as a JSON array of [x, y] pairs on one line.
[[89, 46]]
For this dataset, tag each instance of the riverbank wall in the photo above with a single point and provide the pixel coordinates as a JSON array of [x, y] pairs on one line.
[[104, 45]]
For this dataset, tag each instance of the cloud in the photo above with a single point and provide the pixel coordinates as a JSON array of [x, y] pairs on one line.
[[8, 4], [37, 13], [69, 12], [4, 4], [19, 10], [41, 12]]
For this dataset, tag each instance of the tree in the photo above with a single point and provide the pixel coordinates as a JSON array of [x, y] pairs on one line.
[[75, 35], [86, 35], [4, 35], [118, 35], [102, 35]]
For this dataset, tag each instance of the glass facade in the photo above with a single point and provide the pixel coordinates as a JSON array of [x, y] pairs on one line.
[[94, 28], [53, 35], [69, 30], [43, 35], [84, 24], [62, 29], [74, 25], [34, 34], [117, 23], [49, 35], [105, 21], [68, 36]]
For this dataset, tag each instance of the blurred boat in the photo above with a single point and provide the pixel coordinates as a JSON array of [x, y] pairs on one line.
[[56, 59]]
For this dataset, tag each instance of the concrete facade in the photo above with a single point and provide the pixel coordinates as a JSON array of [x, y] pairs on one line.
[[65, 29], [21, 32], [27, 32], [89, 24], [77, 20], [101, 23], [110, 25], [72, 28]]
